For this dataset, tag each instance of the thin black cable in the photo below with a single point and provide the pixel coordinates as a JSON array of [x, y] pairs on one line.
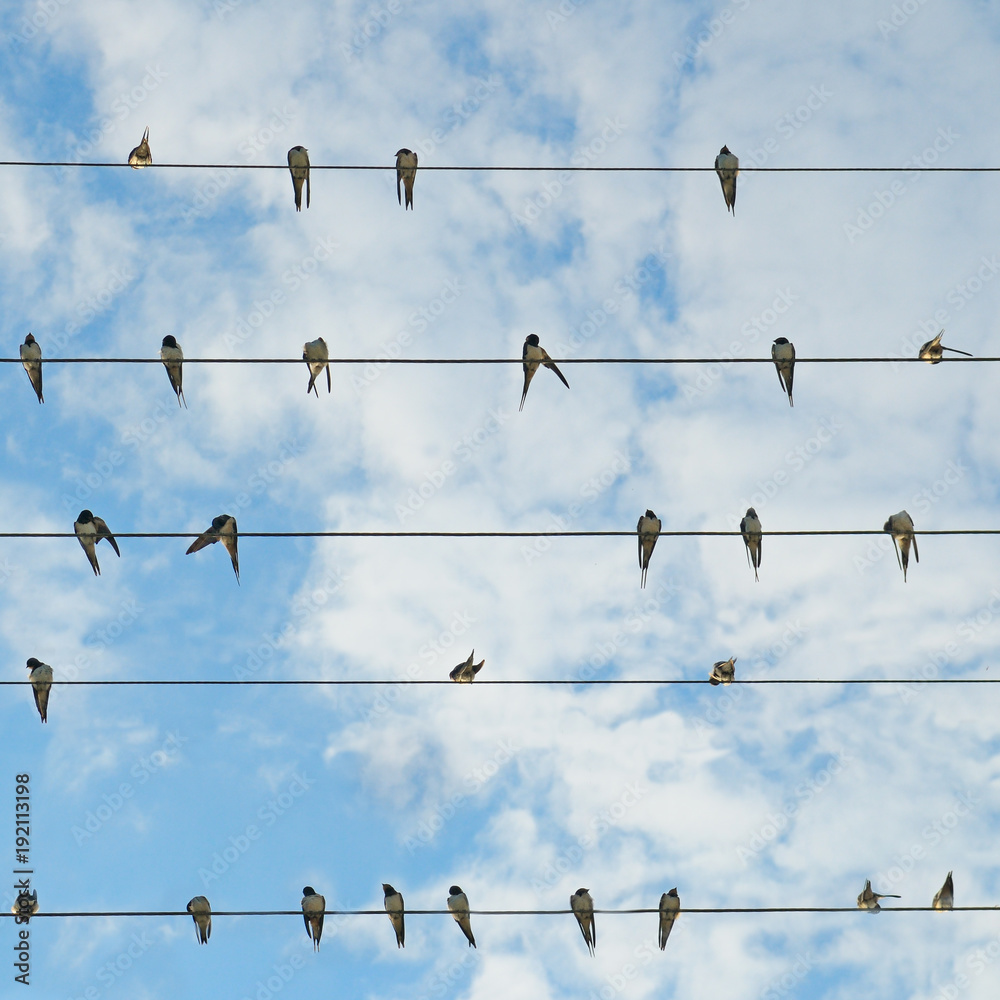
[[530, 169], [493, 361], [362, 682], [508, 913]]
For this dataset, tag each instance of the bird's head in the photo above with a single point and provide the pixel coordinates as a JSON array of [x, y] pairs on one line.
[[532, 339], [169, 341], [725, 151], [455, 890], [29, 340], [308, 890], [388, 889], [86, 516], [32, 663]]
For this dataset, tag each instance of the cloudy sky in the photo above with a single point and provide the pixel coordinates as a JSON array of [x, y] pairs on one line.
[[143, 797]]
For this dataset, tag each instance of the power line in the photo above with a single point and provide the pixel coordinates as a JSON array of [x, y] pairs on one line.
[[375, 682], [495, 361], [507, 913], [665, 533], [522, 169]]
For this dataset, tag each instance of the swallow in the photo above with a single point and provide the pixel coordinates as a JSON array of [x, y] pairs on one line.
[[173, 360], [313, 908], [41, 682], [727, 167], [25, 906], [465, 673], [223, 527], [90, 529], [31, 358], [944, 898], [783, 355], [723, 672], [900, 526], [141, 156], [394, 907], [931, 351], [648, 530], [670, 905], [201, 914], [298, 166], [316, 355], [868, 900], [531, 357], [406, 171], [750, 530], [458, 905], [583, 909]]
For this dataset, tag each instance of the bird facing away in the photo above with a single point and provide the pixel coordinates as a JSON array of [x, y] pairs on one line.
[[583, 909], [201, 914], [313, 908], [394, 907], [41, 683], [750, 530], [141, 156], [316, 355], [173, 360], [648, 529], [224, 529], [531, 357], [465, 673], [868, 900], [458, 904], [944, 898], [90, 529], [727, 167], [31, 358], [298, 165], [900, 526], [783, 355], [931, 351], [25, 906], [723, 672], [670, 905], [406, 171]]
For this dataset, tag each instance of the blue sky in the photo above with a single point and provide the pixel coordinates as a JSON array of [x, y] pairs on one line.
[[747, 796]]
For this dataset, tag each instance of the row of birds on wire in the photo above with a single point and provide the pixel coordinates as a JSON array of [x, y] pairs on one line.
[[316, 355], [581, 905], [727, 168]]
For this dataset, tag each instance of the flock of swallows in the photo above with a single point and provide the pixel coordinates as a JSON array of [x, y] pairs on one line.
[[581, 904]]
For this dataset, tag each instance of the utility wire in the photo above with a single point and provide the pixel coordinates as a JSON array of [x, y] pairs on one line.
[[529, 169], [492, 361], [507, 913], [499, 534], [354, 682]]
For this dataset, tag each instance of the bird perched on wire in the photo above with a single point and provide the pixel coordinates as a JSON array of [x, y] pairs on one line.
[[395, 908], [223, 529], [41, 684], [750, 530], [173, 360], [31, 359], [783, 355], [944, 898], [583, 909], [458, 906], [313, 909], [316, 355], [723, 672], [900, 526], [727, 167], [406, 172], [532, 355], [931, 351], [868, 900], [648, 530], [89, 530], [141, 156], [465, 672], [25, 906], [201, 914], [298, 166], [670, 906]]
